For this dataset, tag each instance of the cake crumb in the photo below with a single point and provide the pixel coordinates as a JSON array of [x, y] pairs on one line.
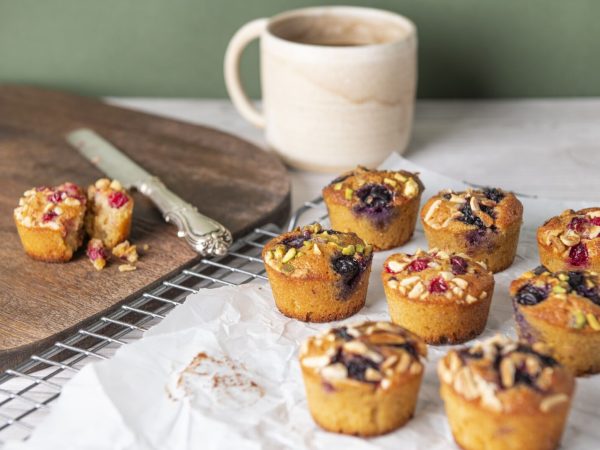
[[126, 252], [127, 268]]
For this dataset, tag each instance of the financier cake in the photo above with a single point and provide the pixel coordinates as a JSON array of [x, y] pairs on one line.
[[501, 394], [484, 224], [561, 309], [364, 379], [109, 212], [571, 241], [443, 298], [318, 275], [380, 206], [50, 220]]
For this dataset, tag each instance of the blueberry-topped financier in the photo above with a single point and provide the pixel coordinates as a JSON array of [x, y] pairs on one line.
[[380, 206], [484, 224], [571, 241], [363, 379], [501, 394], [318, 275], [442, 297], [561, 309], [50, 221]]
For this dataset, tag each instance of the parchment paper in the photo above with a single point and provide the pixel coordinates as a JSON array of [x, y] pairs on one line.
[[246, 391]]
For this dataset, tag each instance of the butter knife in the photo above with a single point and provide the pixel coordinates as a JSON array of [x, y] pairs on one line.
[[205, 235]]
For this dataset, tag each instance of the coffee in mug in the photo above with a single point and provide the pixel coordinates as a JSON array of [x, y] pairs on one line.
[[338, 84]]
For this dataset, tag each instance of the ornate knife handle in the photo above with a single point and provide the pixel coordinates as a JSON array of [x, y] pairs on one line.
[[206, 236]]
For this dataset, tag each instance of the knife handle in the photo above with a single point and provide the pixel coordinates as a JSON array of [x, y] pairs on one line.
[[205, 235]]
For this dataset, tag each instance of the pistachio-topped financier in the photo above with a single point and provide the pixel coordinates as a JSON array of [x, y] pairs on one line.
[[318, 275], [380, 206], [561, 309], [363, 379], [571, 241], [484, 224], [50, 220], [442, 297], [504, 395]]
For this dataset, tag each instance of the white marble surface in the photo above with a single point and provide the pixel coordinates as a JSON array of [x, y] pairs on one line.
[[549, 148]]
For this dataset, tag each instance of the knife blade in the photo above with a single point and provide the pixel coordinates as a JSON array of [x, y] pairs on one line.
[[205, 235]]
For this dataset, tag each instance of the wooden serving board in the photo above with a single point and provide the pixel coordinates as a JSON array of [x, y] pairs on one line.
[[227, 178]]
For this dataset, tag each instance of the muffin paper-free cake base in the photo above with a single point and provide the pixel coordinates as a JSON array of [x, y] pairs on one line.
[[222, 371]]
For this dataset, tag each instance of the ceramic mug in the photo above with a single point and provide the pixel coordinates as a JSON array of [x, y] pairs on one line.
[[338, 84]]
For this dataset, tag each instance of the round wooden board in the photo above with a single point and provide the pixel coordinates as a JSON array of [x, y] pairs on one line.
[[227, 178]]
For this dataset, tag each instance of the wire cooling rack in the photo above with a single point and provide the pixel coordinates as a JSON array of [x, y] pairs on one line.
[[27, 391]]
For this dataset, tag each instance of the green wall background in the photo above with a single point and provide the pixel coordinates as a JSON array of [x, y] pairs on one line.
[[468, 48]]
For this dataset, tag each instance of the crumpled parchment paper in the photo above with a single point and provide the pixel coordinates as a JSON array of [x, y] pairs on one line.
[[221, 372]]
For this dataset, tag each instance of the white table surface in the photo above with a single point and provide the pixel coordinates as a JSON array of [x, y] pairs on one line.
[[549, 148]]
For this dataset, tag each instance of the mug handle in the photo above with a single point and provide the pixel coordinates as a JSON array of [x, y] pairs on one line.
[[238, 43]]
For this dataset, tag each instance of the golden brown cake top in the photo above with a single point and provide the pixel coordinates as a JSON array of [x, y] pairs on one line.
[[313, 252], [438, 276], [368, 191], [105, 192], [371, 352], [575, 235], [473, 209], [508, 376], [55, 208], [566, 299]]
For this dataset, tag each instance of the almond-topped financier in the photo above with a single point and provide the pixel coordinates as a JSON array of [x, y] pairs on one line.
[[562, 310], [484, 224], [571, 241], [50, 221], [364, 379], [380, 206], [443, 298], [109, 213], [504, 395], [318, 275]]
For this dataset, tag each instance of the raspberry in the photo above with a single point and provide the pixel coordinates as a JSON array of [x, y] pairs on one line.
[[595, 221], [117, 199], [578, 255], [95, 252], [418, 264], [577, 224], [438, 285], [47, 217], [55, 197], [459, 265]]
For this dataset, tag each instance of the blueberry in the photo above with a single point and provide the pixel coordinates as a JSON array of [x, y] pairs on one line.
[[346, 266], [578, 282], [342, 333], [493, 194], [357, 366], [469, 218], [539, 270], [374, 196], [294, 241], [447, 196], [531, 295]]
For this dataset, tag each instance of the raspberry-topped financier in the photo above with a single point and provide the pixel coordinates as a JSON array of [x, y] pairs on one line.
[[50, 221], [501, 394], [561, 309], [443, 298], [571, 241], [318, 275], [364, 379], [484, 224], [380, 206], [109, 212]]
